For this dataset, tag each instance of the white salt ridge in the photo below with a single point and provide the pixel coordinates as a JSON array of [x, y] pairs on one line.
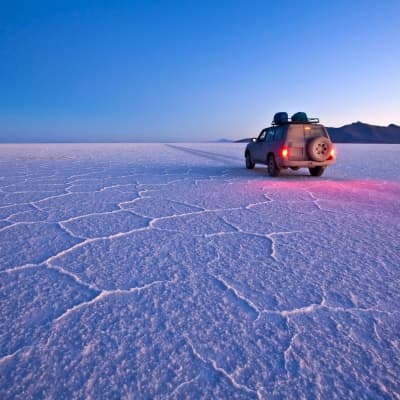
[[170, 271]]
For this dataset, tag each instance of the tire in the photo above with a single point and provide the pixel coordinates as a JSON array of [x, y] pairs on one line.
[[249, 163], [316, 171], [273, 169], [318, 148]]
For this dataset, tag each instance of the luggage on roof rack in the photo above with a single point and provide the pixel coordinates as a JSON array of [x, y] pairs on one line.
[[299, 117], [281, 118]]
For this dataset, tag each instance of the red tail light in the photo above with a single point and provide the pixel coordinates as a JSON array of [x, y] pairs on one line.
[[332, 153], [285, 152]]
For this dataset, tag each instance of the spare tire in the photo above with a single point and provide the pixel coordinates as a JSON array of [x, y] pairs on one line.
[[318, 148]]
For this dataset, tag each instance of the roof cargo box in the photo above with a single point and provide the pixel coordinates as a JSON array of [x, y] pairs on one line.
[[281, 118], [299, 117]]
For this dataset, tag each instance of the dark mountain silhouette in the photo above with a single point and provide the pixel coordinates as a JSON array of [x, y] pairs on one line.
[[246, 140], [359, 132]]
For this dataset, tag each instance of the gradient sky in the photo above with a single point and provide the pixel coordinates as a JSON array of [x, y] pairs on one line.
[[192, 70]]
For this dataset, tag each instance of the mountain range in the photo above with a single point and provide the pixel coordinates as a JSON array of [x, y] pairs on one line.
[[359, 132]]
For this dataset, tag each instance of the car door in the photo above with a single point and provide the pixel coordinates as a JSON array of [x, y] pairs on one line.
[[266, 145], [258, 145]]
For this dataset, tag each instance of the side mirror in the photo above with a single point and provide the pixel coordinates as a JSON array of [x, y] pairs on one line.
[[254, 139]]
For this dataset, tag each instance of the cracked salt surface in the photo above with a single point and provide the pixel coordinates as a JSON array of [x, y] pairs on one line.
[[170, 271]]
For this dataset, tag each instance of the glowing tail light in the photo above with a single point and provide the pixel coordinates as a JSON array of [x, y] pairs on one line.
[[332, 153], [285, 152]]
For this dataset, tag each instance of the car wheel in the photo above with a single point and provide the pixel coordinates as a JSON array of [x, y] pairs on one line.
[[273, 169], [318, 148], [316, 171], [249, 163]]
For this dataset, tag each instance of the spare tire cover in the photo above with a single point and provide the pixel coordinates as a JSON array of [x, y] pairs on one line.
[[318, 148]]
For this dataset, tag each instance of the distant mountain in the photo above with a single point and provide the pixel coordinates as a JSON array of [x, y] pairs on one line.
[[247, 140], [358, 132]]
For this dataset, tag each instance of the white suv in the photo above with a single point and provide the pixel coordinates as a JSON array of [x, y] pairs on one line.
[[298, 142]]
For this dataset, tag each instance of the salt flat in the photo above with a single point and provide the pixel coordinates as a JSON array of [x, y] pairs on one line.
[[169, 271]]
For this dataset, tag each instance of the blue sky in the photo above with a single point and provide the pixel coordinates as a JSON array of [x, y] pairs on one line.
[[192, 70]]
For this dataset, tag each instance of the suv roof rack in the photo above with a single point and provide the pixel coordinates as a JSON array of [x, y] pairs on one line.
[[289, 121]]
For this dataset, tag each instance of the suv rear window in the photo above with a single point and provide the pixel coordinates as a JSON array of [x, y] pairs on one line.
[[314, 131], [306, 131]]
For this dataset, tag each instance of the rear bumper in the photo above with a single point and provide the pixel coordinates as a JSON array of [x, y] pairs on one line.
[[285, 163]]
